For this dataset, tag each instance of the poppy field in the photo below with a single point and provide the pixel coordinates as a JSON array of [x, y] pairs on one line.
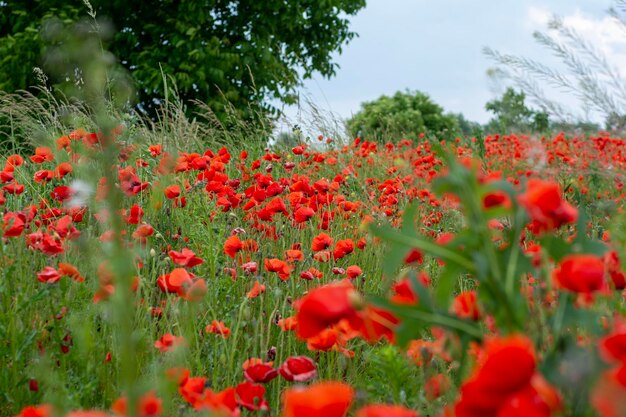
[[478, 277]]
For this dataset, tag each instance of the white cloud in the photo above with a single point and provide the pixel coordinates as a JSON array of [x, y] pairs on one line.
[[538, 16], [604, 33]]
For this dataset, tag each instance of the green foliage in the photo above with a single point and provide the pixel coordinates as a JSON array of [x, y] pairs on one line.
[[406, 113], [216, 51], [511, 114], [468, 127]]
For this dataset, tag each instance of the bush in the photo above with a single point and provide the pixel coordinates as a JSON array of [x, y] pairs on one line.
[[405, 114]]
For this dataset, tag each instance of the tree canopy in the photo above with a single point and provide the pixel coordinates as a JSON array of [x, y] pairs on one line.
[[241, 52], [511, 114], [405, 113]]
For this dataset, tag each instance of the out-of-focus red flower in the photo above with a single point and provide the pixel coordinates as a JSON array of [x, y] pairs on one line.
[[545, 206], [328, 399], [580, 273], [44, 410], [465, 305], [323, 307], [48, 275], [168, 342], [505, 383], [353, 271]]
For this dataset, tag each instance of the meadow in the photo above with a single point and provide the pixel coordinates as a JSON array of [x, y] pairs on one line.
[[147, 276]]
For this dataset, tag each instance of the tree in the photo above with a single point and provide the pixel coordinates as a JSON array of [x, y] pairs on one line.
[[512, 115], [406, 113], [241, 52], [467, 127]]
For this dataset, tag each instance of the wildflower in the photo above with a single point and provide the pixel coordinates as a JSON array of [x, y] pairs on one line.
[[490, 391], [545, 206], [256, 290], [218, 327], [298, 368], [48, 275], [172, 192], [580, 273], [465, 306], [260, 373], [280, 267], [168, 342], [328, 399], [343, 248], [185, 258], [232, 246], [321, 242], [323, 307], [251, 396]]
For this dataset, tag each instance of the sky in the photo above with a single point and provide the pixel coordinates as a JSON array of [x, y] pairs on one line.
[[436, 47]]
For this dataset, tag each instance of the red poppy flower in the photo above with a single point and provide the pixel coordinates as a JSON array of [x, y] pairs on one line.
[[321, 242], [505, 383], [465, 305], [175, 282], [580, 273], [343, 248], [223, 403], [185, 258], [232, 246], [328, 399], [14, 188], [303, 214], [324, 306], [354, 271], [13, 224], [250, 267], [71, 271], [251, 396], [168, 342], [143, 232], [172, 191], [63, 169], [256, 290], [613, 346], [545, 206], [44, 410], [135, 215], [42, 155], [43, 176], [62, 193], [260, 373], [311, 274], [149, 405], [49, 275], [280, 267], [298, 368], [218, 327]]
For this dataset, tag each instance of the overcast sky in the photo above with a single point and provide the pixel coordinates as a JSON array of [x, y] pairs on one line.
[[436, 47]]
